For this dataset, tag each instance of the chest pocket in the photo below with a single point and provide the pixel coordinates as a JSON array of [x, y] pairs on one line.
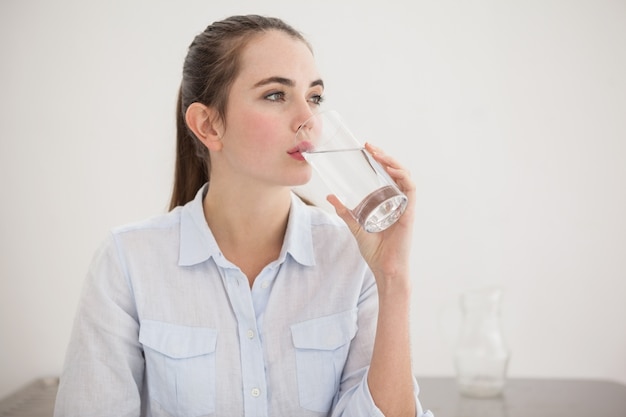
[[322, 347], [180, 368]]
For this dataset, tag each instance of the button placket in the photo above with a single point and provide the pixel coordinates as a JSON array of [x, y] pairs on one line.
[[242, 299]]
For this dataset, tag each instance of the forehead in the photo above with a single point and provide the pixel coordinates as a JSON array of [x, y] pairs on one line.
[[275, 53]]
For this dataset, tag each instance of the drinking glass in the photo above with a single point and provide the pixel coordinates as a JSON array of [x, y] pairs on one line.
[[350, 172]]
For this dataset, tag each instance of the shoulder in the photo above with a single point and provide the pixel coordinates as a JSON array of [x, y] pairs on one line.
[[149, 241], [158, 222], [322, 220], [147, 234], [329, 232]]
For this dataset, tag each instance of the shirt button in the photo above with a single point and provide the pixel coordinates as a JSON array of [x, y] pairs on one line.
[[265, 284], [256, 392], [250, 334]]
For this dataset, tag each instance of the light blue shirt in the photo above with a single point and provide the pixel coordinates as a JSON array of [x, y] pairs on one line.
[[167, 326]]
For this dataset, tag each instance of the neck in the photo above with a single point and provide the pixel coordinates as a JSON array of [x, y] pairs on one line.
[[248, 225], [248, 211]]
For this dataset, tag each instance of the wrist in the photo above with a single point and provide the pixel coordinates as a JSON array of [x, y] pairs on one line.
[[397, 289]]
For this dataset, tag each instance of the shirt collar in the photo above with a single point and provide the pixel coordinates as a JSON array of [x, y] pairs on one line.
[[299, 237], [197, 243]]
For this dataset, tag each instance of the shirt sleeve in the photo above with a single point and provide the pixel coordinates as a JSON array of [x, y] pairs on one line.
[[354, 397], [362, 404], [104, 365]]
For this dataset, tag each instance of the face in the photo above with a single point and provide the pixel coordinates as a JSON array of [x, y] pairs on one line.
[[277, 89]]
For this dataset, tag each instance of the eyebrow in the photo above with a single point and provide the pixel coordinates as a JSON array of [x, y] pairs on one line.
[[285, 81]]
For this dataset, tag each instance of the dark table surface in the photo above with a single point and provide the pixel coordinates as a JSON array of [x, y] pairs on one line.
[[528, 398]]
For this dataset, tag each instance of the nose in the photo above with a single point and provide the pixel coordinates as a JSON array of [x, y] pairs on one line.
[[302, 114]]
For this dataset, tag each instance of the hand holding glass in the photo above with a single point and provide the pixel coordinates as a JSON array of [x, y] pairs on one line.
[[350, 172]]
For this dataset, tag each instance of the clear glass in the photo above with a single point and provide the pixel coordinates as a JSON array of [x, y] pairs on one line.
[[350, 172], [481, 356]]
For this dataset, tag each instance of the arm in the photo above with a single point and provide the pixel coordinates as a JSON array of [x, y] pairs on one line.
[[390, 377], [103, 371]]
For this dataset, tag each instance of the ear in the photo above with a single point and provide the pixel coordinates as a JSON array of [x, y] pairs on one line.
[[205, 123]]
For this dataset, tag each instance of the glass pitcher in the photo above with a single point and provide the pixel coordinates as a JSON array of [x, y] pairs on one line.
[[481, 356]]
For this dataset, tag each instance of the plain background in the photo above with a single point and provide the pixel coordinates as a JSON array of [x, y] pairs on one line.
[[511, 116]]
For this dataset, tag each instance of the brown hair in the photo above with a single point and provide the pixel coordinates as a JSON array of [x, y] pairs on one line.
[[211, 66]]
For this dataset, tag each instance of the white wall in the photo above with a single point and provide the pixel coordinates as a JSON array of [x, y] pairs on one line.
[[510, 114]]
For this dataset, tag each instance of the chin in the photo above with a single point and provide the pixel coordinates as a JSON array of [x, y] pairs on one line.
[[301, 177]]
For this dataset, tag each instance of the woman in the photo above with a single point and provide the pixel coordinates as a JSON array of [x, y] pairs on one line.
[[242, 300]]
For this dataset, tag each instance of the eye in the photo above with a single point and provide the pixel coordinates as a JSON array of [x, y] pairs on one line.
[[316, 99], [276, 96]]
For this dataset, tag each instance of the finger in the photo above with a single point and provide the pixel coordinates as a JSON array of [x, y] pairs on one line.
[[381, 157], [396, 171], [343, 212]]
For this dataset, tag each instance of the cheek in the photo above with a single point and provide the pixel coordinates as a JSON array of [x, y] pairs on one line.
[[253, 140], [262, 128]]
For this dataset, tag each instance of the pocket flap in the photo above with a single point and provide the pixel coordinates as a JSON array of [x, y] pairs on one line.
[[325, 333], [177, 341]]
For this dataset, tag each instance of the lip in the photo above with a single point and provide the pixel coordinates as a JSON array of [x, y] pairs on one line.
[[296, 151]]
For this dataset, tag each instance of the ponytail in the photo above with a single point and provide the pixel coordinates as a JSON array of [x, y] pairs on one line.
[[191, 170]]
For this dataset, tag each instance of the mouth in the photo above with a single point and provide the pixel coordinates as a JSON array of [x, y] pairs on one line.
[[297, 151]]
